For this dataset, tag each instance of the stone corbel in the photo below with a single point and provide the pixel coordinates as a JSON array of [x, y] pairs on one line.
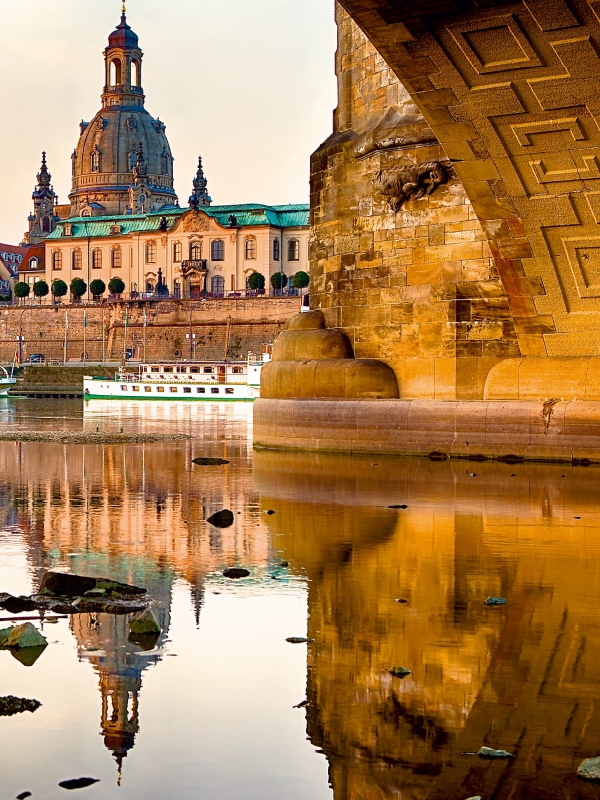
[[400, 184]]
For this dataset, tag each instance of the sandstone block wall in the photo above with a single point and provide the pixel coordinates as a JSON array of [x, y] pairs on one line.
[[251, 323]]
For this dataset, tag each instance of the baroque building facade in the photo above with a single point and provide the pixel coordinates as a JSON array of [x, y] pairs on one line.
[[124, 219]]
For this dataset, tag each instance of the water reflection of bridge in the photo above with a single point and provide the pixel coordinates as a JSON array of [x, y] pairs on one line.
[[523, 678]]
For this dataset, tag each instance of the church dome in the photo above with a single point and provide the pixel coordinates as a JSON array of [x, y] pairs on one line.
[[123, 36], [123, 152]]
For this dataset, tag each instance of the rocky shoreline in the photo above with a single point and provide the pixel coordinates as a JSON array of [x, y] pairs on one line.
[[90, 437]]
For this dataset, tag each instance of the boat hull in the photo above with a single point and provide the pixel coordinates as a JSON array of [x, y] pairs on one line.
[[102, 389], [6, 385]]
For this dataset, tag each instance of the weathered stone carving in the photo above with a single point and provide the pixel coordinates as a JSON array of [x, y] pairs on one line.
[[399, 128], [196, 221], [398, 185]]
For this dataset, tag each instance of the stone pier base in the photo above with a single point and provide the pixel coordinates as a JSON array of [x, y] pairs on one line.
[[495, 429]]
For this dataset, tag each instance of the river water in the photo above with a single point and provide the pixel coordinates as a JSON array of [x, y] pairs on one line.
[[209, 712]]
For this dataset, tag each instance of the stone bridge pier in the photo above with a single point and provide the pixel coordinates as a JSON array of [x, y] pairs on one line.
[[455, 237]]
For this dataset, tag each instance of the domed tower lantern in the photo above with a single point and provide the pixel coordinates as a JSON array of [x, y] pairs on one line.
[[123, 67]]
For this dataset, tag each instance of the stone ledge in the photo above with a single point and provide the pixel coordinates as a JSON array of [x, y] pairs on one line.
[[457, 429]]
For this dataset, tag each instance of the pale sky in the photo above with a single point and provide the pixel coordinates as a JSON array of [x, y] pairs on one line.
[[248, 84]]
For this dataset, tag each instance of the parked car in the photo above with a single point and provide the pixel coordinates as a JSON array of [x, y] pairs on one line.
[[37, 358]]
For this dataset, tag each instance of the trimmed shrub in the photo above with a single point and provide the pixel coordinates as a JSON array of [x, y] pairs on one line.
[[97, 288], [22, 290], [41, 289], [116, 286], [78, 288], [59, 288], [300, 280], [256, 281], [279, 280]]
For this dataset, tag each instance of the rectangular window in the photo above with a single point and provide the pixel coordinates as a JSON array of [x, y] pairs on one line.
[[228, 390], [214, 390], [194, 370], [123, 388], [147, 388], [168, 369], [173, 390], [187, 390], [201, 390], [208, 370], [160, 389], [238, 370], [155, 369], [135, 388], [181, 369]]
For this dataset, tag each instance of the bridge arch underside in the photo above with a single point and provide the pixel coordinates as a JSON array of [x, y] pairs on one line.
[[510, 92]]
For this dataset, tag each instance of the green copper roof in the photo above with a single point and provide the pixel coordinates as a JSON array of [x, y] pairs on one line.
[[290, 216]]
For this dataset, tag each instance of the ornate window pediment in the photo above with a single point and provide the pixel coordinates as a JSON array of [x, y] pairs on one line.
[[115, 230]]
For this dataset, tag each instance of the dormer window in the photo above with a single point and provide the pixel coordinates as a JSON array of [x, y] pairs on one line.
[[67, 229], [34, 263]]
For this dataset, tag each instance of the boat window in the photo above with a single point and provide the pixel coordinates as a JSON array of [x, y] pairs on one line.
[[214, 390], [201, 390], [238, 370], [187, 390], [147, 388], [168, 369], [123, 388], [160, 388], [155, 369], [173, 390], [135, 388], [181, 369], [194, 370], [228, 390], [208, 370]]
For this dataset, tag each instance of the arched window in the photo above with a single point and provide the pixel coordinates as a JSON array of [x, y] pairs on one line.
[[275, 249], [293, 250], [149, 286], [195, 251], [96, 159], [218, 285], [116, 72], [177, 288], [116, 257], [217, 250], [177, 252], [76, 259], [132, 159], [46, 225], [57, 259], [251, 249], [135, 73], [150, 253], [165, 158], [96, 259]]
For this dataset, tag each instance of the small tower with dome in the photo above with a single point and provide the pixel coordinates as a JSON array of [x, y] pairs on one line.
[[43, 219]]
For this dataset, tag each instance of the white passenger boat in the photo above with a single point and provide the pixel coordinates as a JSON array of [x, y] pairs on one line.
[[6, 382], [183, 380]]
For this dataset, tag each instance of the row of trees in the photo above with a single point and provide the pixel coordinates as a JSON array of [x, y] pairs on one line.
[[256, 281], [78, 287]]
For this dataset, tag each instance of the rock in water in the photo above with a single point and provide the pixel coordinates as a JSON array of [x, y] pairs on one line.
[[9, 706], [487, 752], [145, 623], [4, 634], [495, 601], [63, 585], [23, 795], [298, 640], [399, 672], [28, 656], [236, 572], [78, 783], [210, 462], [25, 635], [589, 769], [15, 605], [222, 519]]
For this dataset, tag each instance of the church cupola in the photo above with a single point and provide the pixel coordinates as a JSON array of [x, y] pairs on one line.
[[123, 66], [200, 197], [44, 219]]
